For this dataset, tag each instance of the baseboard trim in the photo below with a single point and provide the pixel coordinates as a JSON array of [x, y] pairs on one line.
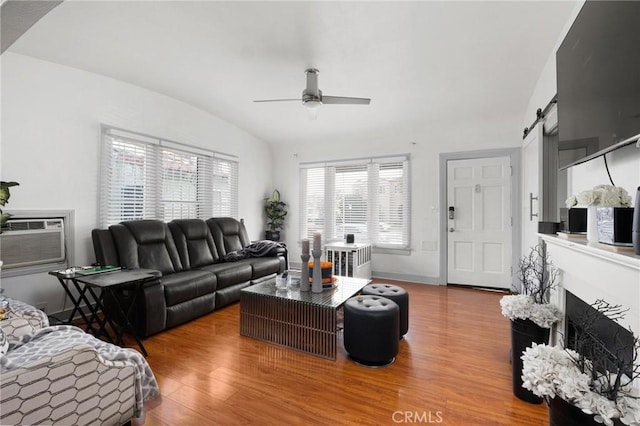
[[406, 277]]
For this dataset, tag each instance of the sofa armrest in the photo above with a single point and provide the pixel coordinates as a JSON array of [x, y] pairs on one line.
[[85, 389], [104, 247], [23, 319]]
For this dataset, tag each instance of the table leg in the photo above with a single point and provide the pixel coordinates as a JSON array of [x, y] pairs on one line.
[[95, 317], [125, 316], [75, 300]]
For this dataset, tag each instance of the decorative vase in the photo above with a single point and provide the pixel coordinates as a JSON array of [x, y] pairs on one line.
[[304, 272], [523, 334], [316, 285], [592, 223]]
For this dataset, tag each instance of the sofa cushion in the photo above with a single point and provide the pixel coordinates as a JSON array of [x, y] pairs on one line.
[[228, 234], [194, 242], [262, 266], [187, 285], [229, 274], [146, 244]]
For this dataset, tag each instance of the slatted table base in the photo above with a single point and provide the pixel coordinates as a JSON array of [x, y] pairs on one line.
[[303, 326]]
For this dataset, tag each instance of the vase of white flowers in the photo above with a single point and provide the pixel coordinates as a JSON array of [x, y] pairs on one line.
[[530, 312], [589, 385], [599, 196]]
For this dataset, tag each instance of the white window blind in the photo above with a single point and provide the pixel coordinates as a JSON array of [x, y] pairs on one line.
[[369, 198], [149, 178]]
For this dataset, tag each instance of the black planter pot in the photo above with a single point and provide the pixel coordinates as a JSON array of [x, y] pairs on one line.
[[563, 413], [272, 235], [523, 334]]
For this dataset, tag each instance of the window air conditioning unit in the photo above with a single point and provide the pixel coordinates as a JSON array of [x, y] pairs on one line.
[[28, 242]]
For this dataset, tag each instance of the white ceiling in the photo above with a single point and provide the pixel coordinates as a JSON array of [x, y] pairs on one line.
[[422, 63]]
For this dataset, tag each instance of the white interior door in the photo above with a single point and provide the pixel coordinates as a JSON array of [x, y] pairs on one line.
[[479, 226], [531, 185]]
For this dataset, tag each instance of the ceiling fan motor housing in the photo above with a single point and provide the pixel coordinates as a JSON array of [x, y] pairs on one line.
[[310, 97]]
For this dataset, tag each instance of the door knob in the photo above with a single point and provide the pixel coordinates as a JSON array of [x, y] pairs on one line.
[[450, 229]]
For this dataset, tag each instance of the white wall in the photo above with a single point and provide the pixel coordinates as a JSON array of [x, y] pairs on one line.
[[624, 164], [51, 118], [424, 146]]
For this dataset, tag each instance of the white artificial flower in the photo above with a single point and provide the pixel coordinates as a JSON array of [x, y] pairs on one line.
[[522, 306], [587, 198], [601, 195], [550, 371], [571, 202]]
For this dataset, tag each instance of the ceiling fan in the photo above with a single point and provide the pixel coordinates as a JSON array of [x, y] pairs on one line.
[[312, 97]]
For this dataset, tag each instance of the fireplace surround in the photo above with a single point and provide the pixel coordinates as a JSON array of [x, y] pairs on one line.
[[591, 271], [607, 338]]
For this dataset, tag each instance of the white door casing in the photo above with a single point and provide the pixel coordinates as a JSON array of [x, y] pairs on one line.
[[479, 237]]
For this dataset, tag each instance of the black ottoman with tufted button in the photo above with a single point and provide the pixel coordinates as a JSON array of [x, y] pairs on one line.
[[398, 295], [371, 325]]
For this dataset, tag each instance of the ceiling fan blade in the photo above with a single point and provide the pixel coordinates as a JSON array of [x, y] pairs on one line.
[[345, 100], [278, 100]]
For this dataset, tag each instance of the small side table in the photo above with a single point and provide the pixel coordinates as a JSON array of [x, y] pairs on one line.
[[106, 283]]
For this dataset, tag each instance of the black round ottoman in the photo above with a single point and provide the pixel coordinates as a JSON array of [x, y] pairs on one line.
[[371, 325], [398, 295]]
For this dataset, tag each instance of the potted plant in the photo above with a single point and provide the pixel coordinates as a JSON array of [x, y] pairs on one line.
[[590, 385], [275, 210], [5, 194], [530, 312]]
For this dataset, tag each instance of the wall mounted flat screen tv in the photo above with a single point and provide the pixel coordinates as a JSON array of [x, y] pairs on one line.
[[598, 78]]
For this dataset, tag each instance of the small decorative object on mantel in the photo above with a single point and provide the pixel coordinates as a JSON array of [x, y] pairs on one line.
[[574, 220], [614, 225], [599, 196], [588, 386], [530, 312], [304, 272]]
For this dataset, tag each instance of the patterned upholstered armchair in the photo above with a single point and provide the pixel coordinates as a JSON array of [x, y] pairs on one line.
[[62, 375]]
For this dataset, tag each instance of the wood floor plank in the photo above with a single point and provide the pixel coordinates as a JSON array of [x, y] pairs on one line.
[[452, 369]]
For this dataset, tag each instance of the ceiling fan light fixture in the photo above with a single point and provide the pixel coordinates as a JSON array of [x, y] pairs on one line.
[[312, 109], [312, 104]]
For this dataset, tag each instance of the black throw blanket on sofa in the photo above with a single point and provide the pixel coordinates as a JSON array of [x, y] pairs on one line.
[[255, 249]]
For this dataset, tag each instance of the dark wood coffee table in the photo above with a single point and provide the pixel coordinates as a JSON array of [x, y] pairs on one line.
[[304, 321]]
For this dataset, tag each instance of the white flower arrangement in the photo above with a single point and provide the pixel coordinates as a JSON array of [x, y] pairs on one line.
[[601, 195], [522, 306], [537, 277], [551, 371]]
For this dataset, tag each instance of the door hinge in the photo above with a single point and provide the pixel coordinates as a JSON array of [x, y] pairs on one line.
[[511, 270], [511, 170]]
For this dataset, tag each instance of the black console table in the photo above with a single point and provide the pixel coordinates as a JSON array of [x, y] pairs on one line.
[[99, 286]]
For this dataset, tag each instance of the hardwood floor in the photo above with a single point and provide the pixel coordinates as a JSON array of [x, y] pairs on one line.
[[452, 369]]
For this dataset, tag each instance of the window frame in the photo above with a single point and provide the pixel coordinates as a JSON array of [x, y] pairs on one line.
[[325, 188], [193, 169]]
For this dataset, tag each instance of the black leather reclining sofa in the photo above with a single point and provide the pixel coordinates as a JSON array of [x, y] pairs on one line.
[[189, 254]]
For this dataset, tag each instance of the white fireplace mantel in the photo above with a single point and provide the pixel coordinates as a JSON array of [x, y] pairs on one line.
[[593, 271]]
